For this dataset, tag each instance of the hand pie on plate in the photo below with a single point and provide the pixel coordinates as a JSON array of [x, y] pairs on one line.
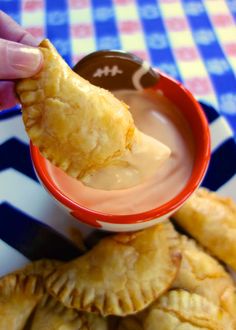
[[121, 275], [52, 315], [202, 274], [25, 305], [19, 295], [183, 310], [211, 220]]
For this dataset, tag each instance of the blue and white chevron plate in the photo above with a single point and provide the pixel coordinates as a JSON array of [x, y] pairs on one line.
[[33, 226]]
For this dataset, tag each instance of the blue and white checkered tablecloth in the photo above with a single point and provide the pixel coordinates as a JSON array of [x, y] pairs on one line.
[[192, 40]]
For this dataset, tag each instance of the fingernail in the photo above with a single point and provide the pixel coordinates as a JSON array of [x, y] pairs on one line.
[[29, 40], [24, 58]]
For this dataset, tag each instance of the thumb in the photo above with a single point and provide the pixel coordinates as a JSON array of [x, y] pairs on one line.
[[18, 60]]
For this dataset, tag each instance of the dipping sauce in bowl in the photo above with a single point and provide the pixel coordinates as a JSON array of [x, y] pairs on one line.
[[163, 109], [158, 117]]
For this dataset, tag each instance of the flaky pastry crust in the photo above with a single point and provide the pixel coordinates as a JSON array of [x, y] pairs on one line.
[[211, 220], [202, 274], [19, 294], [77, 126], [24, 303], [42, 267], [182, 310], [52, 315]]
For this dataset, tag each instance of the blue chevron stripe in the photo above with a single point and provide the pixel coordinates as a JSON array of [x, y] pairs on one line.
[[210, 112], [9, 113], [16, 154], [222, 166], [12, 8], [32, 238]]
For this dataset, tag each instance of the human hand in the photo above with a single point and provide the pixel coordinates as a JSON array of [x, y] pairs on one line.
[[19, 58]]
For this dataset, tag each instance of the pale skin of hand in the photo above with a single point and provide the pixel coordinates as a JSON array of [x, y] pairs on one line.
[[19, 58]]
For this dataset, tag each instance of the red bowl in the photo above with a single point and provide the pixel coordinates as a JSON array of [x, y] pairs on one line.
[[174, 91]]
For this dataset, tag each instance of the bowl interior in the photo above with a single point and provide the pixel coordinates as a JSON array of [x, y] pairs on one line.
[[121, 70]]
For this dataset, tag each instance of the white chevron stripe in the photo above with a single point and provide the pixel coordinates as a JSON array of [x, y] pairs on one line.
[[12, 127], [228, 189], [10, 259], [28, 196], [220, 132]]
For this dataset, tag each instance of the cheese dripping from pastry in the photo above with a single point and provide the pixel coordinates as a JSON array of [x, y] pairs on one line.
[[84, 129], [136, 165]]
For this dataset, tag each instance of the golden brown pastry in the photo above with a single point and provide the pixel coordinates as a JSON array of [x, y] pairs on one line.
[[84, 129], [41, 267], [19, 294], [182, 310], [24, 304], [77, 126], [178, 310], [52, 315], [121, 275], [211, 220], [202, 274]]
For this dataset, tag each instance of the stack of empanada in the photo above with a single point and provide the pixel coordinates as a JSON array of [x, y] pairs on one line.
[[25, 303], [152, 279], [121, 275]]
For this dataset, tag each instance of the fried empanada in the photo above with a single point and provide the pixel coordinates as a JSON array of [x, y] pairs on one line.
[[76, 125], [121, 275], [182, 310], [19, 294], [211, 220], [24, 303], [202, 274], [51, 314], [41, 267]]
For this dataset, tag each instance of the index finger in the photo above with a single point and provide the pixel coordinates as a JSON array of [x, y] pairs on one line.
[[12, 31]]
